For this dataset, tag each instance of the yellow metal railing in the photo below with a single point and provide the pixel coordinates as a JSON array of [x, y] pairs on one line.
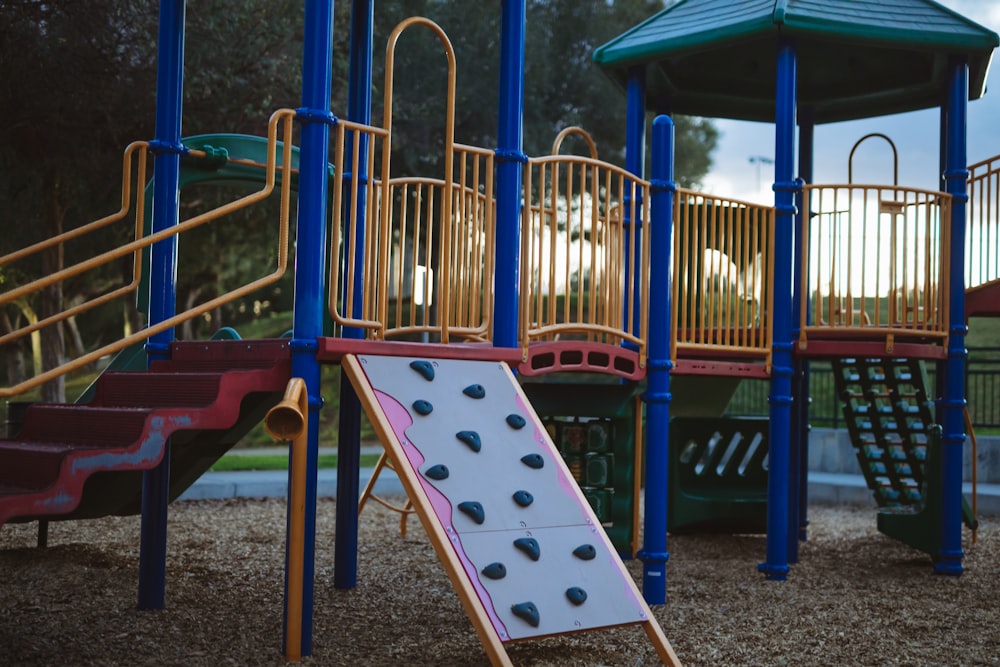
[[135, 159], [878, 261], [722, 278], [137, 153], [982, 238], [584, 274], [424, 266]]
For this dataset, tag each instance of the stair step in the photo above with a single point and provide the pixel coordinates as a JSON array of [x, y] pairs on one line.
[[226, 355], [164, 390], [32, 466], [83, 425], [201, 389], [13, 490]]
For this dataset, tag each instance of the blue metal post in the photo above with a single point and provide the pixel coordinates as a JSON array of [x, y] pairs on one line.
[[953, 402], [654, 553], [163, 279], [310, 257], [635, 163], [799, 465], [780, 398], [509, 157], [359, 104]]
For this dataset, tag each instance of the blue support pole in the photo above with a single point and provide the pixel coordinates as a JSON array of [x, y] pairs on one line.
[[799, 489], [310, 258], [635, 163], [956, 176], [163, 278], [780, 398], [359, 104], [654, 553], [510, 157]]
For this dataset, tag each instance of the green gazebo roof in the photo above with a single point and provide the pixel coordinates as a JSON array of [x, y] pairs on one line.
[[856, 58]]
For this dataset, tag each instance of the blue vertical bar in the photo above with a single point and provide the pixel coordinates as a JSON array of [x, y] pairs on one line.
[[635, 163], [359, 104], [800, 380], [509, 160], [779, 469], [953, 403], [310, 257], [163, 278], [654, 553]]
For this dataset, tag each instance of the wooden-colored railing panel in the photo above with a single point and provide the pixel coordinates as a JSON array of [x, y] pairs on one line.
[[722, 279], [878, 261], [982, 238], [584, 269]]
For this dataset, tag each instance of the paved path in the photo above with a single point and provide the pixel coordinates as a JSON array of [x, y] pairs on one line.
[[825, 488], [274, 483]]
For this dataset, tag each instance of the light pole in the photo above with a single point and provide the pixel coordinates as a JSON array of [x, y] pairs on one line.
[[759, 160]]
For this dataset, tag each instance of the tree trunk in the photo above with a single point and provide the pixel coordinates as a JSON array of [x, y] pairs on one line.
[[14, 354], [53, 349], [75, 339], [188, 326]]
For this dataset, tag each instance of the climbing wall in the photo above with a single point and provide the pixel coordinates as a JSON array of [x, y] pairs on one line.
[[477, 464]]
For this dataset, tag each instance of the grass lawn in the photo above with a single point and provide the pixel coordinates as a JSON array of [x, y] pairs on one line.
[[239, 462]]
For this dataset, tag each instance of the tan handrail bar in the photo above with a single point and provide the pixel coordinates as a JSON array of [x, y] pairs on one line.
[[580, 132], [139, 147], [285, 115]]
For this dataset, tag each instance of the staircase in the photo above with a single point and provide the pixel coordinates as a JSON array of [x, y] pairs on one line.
[[73, 461], [888, 415], [891, 424]]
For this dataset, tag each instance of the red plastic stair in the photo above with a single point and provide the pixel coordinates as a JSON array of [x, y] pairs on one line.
[[84, 460]]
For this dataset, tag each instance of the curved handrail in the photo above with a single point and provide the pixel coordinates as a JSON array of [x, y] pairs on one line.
[[137, 151], [566, 132], [449, 141], [282, 116], [895, 157]]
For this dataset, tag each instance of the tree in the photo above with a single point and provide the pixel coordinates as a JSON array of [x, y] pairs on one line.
[[78, 83], [59, 145], [563, 87]]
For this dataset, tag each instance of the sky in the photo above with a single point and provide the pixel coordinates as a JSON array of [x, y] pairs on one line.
[[739, 172]]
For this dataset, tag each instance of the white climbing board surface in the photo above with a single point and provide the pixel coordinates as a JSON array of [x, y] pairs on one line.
[[521, 543]]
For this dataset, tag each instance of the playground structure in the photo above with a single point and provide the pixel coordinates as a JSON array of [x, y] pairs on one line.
[[548, 264]]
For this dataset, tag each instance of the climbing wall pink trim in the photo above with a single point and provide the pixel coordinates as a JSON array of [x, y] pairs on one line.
[[526, 538]]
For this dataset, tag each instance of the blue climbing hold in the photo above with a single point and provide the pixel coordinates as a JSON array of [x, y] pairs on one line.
[[475, 391], [473, 510], [425, 368], [470, 438], [528, 612], [576, 595], [533, 461], [515, 420], [585, 552], [495, 571], [437, 472], [529, 545], [523, 498], [422, 407]]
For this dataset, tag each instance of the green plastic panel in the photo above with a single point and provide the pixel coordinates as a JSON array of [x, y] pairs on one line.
[[593, 426], [718, 475]]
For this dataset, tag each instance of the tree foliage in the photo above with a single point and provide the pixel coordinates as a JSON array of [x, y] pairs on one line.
[[563, 87], [78, 84]]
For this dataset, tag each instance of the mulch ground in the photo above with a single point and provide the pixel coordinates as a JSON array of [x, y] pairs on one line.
[[855, 598]]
